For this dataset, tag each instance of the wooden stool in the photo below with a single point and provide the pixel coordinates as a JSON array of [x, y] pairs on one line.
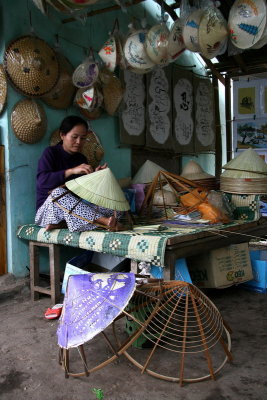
[[54, 290]]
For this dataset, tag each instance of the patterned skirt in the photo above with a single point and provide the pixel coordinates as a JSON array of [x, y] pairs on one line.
[[82, 213]]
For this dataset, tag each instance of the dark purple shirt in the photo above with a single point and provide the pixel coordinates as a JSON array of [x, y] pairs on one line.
[[51, 170]]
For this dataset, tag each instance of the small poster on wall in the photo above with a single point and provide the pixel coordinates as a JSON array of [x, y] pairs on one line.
[[246, 99], [250, 133], [263, 99]]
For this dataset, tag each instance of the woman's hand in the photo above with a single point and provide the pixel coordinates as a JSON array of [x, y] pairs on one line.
[[82, 169], [101, 167]]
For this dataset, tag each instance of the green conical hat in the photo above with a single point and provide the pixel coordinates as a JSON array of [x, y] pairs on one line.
[[248, 164], [100, 188], [147, 172]]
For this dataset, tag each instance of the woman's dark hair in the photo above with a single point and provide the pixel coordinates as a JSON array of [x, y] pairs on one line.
[[70, 122]]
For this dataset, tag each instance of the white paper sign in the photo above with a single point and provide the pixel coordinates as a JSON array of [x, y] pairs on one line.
[[204, 114], [183, 103], [158, 109], [133, 117]]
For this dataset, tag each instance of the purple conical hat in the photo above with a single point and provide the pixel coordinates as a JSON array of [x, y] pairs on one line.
[[91, 303]]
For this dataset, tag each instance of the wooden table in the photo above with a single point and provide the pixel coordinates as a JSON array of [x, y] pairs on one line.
[[200, 242], [177, 246]]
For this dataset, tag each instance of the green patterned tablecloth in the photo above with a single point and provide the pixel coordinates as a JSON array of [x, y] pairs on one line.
[[146, 246], [141, 246]]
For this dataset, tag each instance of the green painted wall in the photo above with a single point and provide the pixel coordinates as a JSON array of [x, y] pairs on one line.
[[21, 17]]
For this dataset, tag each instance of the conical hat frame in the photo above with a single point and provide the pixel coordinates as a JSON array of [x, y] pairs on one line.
[[173, 181], [165, 309]]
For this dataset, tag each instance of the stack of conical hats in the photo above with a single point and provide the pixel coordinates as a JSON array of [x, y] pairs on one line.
[[245, 174], [194, 172]]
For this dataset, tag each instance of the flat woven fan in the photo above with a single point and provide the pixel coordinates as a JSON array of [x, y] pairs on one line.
[[247, 173], [100, 188], [91, 303], [31, 65], [147, 172], [3, 88], [92, 148], [175, 316], [62, 94], [28, 120]]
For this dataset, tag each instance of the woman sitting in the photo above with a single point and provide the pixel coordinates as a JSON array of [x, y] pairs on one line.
[[59, 164]]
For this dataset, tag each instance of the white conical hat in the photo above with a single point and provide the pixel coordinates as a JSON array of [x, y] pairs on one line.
[[100, 188], [248, 164], [192, 170], [147, 172]]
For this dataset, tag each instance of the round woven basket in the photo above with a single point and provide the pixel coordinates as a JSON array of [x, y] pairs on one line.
[[61, 96], [31, 66], [244, 185], [3, 88], [28, 120], [92, 148]]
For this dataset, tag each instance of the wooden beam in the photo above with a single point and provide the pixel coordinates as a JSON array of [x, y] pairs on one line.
[[228, 117], [103, 10], [239, 60], [3, 240], [218, 132], [214, 70]]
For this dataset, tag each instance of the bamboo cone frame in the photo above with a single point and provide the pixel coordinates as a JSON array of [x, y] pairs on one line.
[[174, 181], [188, 310]]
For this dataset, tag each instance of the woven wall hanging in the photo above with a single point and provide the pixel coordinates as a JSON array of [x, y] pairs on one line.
[[31, 66]]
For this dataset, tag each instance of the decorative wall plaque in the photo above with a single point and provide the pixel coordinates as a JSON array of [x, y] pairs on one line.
[[132, 121]]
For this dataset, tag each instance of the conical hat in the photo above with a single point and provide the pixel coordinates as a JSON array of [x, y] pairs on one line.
[[28, 120], [100, 188], [99, 299], [192, 171], [3, 88], [248, 164], [147, 172], [246, 21], [31, 65], [61, 96], [113, 91], [213, 33], [191, 30]]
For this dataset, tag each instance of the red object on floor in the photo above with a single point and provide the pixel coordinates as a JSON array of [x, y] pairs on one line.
[[53, 312]]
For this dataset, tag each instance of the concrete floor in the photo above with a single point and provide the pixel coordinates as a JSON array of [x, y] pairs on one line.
[[29, 366]]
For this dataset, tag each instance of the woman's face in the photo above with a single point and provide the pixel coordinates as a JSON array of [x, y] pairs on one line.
[[74, 140]]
